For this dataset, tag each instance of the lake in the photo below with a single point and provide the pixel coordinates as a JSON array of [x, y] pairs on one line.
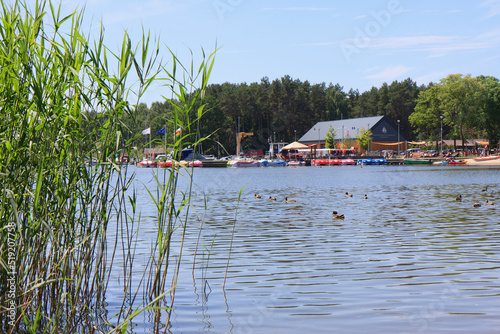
[[409, 259]]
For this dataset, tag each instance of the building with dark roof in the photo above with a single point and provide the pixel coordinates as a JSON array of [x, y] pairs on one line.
[[385, 133]]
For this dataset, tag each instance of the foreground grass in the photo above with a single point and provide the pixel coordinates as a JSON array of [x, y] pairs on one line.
[[60, 102]]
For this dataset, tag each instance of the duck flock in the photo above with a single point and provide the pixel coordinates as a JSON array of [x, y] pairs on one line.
[[476, 205], [337, 215]]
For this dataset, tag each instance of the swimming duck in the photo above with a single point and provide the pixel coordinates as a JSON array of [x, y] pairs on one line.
[[289, 200], [347, 194], [458, 198], [489, 203], [272, 198], [257, 196], [476, 205], [365, 197], [337, 215], [485, 189]]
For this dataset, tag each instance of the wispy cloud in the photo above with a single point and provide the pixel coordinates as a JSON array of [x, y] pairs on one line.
[[297, 9], [434, 45], [493, 8], [389, 73]]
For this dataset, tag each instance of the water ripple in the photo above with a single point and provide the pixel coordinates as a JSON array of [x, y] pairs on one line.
[[408, 259]]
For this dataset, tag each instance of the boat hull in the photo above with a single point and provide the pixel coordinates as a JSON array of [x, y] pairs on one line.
[[165, 164], [243, 163], [347, 162], [146, 164], [326, 162], [460, 162], [273, 163], [296, 163], [372, 162], [489, 158]]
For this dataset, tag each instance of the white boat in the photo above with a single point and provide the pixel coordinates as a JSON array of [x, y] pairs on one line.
[[488, 158], [296, 163], [243, 163], [146, 163]]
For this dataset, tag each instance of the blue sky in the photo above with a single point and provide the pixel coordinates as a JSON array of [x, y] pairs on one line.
[[358, 44]]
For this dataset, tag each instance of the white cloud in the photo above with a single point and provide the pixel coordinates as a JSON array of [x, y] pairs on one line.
[[434, 45], [390, 73], [493, 8]]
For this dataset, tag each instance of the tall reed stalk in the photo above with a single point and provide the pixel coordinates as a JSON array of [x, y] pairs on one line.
[[60, 102]]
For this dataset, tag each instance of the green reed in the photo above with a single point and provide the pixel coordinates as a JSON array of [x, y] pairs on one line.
[[61, 102]]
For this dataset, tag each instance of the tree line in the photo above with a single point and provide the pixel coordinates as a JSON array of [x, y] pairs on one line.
[[284, 109]]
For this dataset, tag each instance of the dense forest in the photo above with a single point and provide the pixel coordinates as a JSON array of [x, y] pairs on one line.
[[286, 108]]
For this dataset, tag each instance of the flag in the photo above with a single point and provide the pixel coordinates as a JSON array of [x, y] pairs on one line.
[[146, 131], [177, 132], [161, 131]]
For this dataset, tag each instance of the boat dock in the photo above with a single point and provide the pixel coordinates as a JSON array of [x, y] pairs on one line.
[[215, 163]]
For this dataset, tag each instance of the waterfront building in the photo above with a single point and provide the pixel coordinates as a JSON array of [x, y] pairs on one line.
[[385, 134]]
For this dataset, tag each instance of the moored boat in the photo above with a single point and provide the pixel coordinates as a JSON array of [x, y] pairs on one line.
[[243, 163], [273, 163], [196, 163], [457, 162], [296, 163], [325, 162], [146, 163], [347, 162], [165, 164], [487, 158], [371, 161]]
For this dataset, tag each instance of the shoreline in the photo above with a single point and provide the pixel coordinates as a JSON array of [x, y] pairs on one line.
[[472, 162]]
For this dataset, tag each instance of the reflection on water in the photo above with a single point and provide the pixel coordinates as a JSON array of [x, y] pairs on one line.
[[409, 259]]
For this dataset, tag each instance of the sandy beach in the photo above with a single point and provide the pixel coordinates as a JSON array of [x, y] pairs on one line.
[[472, 162]]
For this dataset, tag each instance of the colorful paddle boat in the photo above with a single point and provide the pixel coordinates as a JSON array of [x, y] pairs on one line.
[[146, 163], [296, 163], [273, 163]]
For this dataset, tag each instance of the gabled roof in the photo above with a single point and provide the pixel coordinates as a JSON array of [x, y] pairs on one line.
[[349, 127]]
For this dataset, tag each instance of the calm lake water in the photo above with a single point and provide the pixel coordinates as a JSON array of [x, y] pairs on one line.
[[409, 259]]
